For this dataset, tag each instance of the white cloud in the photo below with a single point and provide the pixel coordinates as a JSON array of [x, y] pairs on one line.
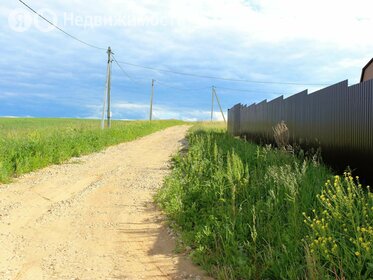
[[131, 106], [141, 111], [186, 114], [15, 117]]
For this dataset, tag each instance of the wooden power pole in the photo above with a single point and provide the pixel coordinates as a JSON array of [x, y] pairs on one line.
[[212, 103], [109, 90], [107, 97], [217, 99], [151, 102]]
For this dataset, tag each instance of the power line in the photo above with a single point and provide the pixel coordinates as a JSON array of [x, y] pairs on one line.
[[60, 29], [219, 78], [121, 68], [246, 90], [163, 84]]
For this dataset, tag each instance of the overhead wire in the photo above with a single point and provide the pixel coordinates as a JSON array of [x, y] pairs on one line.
[[246, 90], [162, 84], [220, 78], [165, 85], [60, 29], [122, 69]]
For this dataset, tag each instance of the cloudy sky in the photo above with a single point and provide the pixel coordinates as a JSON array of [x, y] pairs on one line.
[[45, 73]]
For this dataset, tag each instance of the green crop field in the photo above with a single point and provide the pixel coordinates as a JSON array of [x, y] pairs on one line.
[[252, 212], [30, 144]]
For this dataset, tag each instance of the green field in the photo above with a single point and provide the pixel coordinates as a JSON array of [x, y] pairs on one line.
[[30, 144], [251, 212]]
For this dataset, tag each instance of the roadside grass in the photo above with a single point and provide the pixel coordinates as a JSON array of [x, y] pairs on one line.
[[30, 144], [251, 212]]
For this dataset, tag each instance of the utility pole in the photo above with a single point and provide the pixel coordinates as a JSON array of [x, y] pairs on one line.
[[217, 99], [104, 107], [109, 90], [212, 103], [107, 96], [151, 101]]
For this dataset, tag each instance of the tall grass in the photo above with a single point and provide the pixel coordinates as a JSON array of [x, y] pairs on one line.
[[240, 208], [341, 232], [30, 144]]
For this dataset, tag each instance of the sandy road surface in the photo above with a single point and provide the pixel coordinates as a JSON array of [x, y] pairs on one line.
[[93, 218]]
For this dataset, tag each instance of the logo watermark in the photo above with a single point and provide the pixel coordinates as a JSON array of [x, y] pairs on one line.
[[22, 21]]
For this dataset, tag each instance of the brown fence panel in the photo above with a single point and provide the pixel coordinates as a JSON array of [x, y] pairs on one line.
[[338, 118]]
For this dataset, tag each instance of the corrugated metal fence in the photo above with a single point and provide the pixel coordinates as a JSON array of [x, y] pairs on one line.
[[338, 118]]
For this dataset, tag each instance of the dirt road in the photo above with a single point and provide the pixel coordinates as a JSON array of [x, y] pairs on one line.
[[93, 218]]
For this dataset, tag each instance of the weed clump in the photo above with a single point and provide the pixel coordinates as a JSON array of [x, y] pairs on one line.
[[341, 232], [239, 207], [281, 135]]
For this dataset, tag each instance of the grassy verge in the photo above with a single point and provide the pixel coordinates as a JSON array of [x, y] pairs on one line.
[[251, 212], [30, 144]]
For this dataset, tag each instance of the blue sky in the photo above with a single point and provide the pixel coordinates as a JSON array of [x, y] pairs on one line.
[[46, 74]]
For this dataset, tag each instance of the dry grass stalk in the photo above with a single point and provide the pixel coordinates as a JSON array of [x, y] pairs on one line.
[[281, 135]]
